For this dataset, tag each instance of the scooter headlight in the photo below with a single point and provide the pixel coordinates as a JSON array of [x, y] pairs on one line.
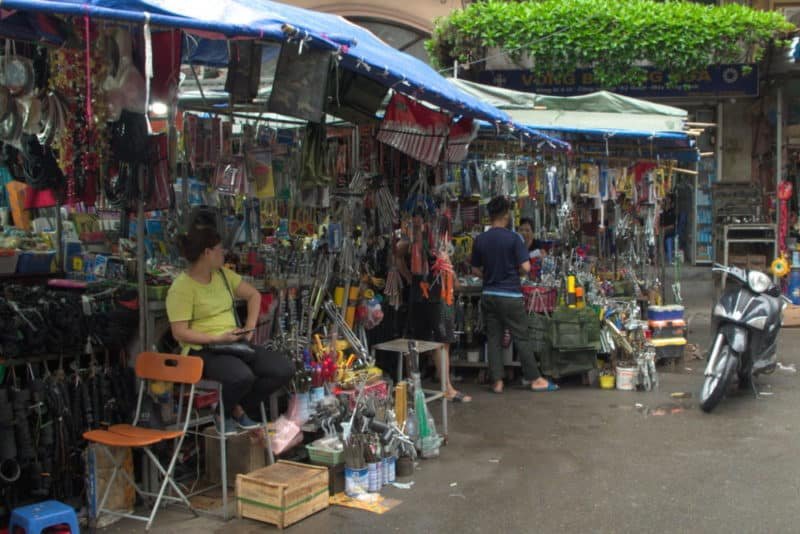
[[758, 281]]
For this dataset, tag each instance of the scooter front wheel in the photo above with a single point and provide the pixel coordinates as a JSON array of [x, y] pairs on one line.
[[715, 385]]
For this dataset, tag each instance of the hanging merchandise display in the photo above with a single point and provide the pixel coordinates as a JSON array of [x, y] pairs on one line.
[[356, 237]]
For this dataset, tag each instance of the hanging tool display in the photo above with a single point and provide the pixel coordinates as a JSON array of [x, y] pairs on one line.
[[784, 196]]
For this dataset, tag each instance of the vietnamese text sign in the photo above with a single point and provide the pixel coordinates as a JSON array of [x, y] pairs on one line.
[[716, 80]]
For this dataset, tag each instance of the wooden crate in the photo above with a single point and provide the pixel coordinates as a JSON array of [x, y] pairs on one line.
[[244, 455], [791, 316], [282, 494]]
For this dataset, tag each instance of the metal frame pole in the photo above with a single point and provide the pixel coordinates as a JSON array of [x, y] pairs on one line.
[[140, 263]]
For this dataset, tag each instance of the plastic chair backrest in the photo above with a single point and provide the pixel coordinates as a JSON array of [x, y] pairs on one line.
[[169, 367]]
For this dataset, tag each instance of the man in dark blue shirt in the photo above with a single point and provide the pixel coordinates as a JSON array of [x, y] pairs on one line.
[[499, 255]]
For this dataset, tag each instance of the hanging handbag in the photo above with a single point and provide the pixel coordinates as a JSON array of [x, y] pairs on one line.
[[244, 350]]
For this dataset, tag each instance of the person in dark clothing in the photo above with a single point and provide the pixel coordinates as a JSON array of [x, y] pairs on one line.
[[667, 223], [430, 318], [499, 256]]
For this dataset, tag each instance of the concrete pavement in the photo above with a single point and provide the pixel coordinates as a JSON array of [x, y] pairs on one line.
[[587, 460]]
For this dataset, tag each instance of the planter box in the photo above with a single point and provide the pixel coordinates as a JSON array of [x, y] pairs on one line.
[[282, 494]]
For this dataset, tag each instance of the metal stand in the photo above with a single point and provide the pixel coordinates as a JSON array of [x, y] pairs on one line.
[[223, 438], [747, 234], [400, 346]]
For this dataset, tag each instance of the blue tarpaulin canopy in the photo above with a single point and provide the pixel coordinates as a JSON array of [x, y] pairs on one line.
[[357, 48]]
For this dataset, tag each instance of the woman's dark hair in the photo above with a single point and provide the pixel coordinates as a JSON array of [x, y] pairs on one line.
[[204, 219], [193, 243], [526, 220], [498, 207]]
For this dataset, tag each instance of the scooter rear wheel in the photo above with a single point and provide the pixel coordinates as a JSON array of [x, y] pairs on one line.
[[715, 386]]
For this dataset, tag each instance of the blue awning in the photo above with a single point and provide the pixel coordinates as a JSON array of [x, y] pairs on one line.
[[532, 135], [358, 49]]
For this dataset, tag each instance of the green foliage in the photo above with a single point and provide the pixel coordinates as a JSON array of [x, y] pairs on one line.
[[612, 36]]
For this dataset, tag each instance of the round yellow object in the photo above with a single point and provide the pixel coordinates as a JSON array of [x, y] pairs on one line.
[[159, 388], [780, 267], [607, 381]]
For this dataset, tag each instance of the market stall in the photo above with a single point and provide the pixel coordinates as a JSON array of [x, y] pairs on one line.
[[107, 159], [601, 230]]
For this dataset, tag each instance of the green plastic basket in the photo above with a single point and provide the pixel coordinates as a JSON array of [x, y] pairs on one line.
[[325, 456]]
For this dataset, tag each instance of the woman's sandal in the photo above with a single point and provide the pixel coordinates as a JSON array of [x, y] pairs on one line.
[[460, 397], [550, 387]]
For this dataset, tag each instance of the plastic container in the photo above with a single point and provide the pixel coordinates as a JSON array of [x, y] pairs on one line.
[[36, 262], [540, 299], [325, 456], [404, 467], [626, 378], [665, 329], [664, 313], [793, 286], [607, 381], [669, 342], [573, 329], [8, 260]]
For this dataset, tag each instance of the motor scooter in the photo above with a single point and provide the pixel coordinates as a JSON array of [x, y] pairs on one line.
[[744, 324]]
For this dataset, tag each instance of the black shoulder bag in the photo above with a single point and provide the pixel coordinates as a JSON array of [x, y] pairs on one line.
[[243, 350]]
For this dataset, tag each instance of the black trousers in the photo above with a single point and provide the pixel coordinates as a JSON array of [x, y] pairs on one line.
[[247, 382], [500, 313]]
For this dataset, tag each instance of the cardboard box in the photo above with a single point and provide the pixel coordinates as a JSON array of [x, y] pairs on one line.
[[244, 453], [282, 494], [738, 261], [122, 497], [791, 316], [757, 262]]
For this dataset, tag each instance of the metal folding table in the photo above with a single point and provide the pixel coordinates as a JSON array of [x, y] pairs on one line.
[[400, 346]]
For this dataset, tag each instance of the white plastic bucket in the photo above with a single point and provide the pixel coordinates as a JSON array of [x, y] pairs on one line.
[[627, 378]]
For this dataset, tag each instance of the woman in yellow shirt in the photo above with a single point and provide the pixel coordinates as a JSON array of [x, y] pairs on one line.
[[200, 308]]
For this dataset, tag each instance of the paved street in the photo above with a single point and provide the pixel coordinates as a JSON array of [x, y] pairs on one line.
[[588, 460]]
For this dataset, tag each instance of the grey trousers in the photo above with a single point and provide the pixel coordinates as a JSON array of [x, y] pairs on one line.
[[500, 313]]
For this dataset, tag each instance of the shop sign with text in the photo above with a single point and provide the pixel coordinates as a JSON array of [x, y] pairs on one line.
[[718, 80]]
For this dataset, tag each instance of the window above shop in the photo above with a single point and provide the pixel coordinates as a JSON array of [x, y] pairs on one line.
[[403, 38]]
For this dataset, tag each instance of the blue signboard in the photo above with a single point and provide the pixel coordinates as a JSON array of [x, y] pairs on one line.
[[716, 80]]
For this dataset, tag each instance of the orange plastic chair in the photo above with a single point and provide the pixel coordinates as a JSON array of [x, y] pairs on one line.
[[185, 370]]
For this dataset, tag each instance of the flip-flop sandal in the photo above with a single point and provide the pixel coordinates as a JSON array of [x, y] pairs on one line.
[[550, 387], [460, 397]]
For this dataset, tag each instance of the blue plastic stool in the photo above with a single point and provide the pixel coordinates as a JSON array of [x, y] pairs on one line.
[[34, 519]]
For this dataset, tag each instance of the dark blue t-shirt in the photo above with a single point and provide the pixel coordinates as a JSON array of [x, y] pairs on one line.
[[500, 252]]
